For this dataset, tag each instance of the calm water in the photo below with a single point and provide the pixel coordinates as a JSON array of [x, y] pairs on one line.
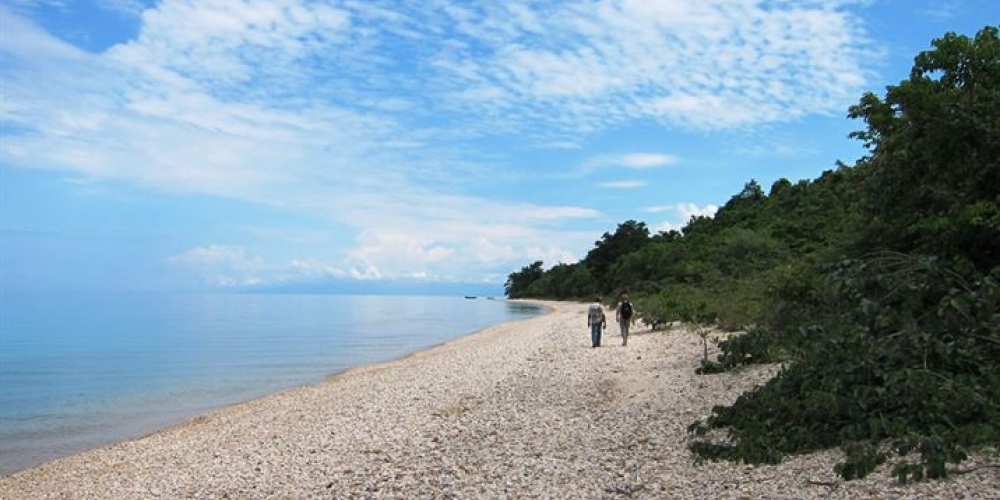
[[79, 371]]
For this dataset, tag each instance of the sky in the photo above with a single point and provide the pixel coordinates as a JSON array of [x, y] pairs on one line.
[[429, 145]]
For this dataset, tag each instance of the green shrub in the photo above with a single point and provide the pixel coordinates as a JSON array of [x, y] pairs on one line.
[[756, 346], [906, 356]]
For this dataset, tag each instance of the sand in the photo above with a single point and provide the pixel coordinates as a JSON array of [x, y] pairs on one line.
[[521, 410]]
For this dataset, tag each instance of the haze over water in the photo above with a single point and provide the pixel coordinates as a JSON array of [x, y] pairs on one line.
[[82, 370]]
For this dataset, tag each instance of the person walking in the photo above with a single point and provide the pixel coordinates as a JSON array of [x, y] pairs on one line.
[[596, 321], [623, 315]]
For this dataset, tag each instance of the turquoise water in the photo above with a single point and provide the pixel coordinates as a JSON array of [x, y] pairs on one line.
[[82, 370]]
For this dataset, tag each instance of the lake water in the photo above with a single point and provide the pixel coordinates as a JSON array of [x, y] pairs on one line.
[[82, 370]]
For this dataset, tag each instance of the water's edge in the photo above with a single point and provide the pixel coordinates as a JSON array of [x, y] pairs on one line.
[[185, 418]]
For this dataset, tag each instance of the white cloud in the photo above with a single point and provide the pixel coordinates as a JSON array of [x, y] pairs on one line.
[[466, 239], [219, 43], [688, 210], [683, 212], [410, 250], [942, 11], [777, 148], [127, 7], [666, 227], [357, 114], [122, 7], [565, 144], [19, 5], [221, 265], [711, 64], [549, 255], [309, 270], [313, 269], [379, 255], [646, 160], [232, 266], [631, 161], [623, 184]]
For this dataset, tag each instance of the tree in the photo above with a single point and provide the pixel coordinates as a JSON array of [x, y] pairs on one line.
[[629, 237], [580, 282], [562, 281], [742, 208], [934, 141], [518, 282], [897, 349]]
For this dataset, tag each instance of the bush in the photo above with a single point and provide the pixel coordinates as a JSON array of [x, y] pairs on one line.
[[906, 358], [756, 346]]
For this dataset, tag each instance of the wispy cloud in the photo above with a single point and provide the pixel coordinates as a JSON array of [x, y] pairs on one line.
[[630, 161], [646, 160], [711, 64], [125, 7], [631, 184], [941, 11], [19, 5], [365, 114]]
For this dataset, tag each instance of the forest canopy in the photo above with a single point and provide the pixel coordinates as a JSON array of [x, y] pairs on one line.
[[876, 284]]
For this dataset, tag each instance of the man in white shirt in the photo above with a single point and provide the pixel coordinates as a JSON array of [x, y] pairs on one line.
[[596, 321]]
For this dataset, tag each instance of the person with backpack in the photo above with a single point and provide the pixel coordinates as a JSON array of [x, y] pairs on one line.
[[623, 315], [596, 321]]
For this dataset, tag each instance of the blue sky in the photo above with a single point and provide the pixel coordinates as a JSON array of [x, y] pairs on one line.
[[283, 143]]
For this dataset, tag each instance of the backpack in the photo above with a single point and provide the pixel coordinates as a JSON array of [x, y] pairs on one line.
[[626, 309]]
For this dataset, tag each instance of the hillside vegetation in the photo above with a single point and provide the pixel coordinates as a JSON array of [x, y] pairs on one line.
[[875, 284]]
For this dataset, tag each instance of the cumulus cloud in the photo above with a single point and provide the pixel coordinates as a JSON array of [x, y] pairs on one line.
[[378, 255], [221, 265], [377, 246], [682, 214]]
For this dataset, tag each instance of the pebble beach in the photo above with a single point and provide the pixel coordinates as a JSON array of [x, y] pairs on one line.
[[520, 410]]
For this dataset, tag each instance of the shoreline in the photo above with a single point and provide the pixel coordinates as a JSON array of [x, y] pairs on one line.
[[546, 307], [186, 417], [524, 409]]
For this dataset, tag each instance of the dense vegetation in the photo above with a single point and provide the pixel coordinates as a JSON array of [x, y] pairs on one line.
[[875, 284]]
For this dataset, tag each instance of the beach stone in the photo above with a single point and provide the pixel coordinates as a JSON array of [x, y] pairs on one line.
[[524, 410]]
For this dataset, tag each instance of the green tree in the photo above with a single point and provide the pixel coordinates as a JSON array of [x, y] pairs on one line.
[[884, 351], [518, 282], [897, 349], [562, 281], [629, 237], [580, 283], [934, 141]]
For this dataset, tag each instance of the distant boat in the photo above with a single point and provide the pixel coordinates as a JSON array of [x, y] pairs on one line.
[[470, 296]]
